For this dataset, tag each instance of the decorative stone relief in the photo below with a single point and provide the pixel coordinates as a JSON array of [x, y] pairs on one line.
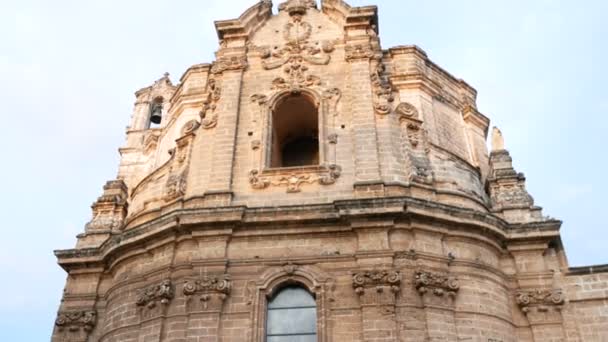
[[296, 34], [151, 140], [332, 138], [376, 280], [382, 89], [439, 284], [407, 110], [154, 294], [110, 209], [84, 320], [333, 97], [177, 178], [507, 188], [417, 148], [327, 175], [208, 113], [225, 63], [208, 288], [358, 52], [294, 7], [541, 299]]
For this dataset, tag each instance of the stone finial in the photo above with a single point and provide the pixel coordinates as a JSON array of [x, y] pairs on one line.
[[498, 141]]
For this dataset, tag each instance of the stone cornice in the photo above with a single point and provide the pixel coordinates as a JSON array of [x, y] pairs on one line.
[[587, 270], [225, 221]]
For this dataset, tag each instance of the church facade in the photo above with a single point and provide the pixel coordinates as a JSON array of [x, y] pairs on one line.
[[309, 185]]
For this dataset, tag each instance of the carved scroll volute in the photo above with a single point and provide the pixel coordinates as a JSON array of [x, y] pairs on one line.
[[207, 293], [436, 288], [377, 287], [539, 300], [382, 90]]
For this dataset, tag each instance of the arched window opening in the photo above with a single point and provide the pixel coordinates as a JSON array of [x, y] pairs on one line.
[[292, 316], [156, 113], [295, 136]]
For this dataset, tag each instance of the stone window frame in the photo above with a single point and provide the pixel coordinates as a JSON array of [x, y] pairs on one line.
[[277, 278], [320, 104]]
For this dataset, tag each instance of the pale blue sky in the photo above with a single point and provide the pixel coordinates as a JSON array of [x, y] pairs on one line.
[[68, 70]]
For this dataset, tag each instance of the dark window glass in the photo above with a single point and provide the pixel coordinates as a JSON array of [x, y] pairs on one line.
[[292, 316]]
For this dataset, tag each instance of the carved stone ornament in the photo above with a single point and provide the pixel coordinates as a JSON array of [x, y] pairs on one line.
[[332, 138], [205, 288], [297, 7], [76, 320], [177, 178], [151, 140], [333, 96], [158, 293], [377, 280], [407, 110], [110, 209], [511, 194], [293, 181], [208, 113], [358, 52], [296, 34], [440, 284], [539, 298], [225, 63], [190, 127], [383, 91], [296, 78]]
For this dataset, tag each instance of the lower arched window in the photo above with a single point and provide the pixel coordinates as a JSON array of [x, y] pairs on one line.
[[292, 316]]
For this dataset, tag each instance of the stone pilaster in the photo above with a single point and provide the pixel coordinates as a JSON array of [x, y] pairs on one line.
[[231, 69], [377, 290], [74, 325], [438, 291], [543, 307], [204, 299]]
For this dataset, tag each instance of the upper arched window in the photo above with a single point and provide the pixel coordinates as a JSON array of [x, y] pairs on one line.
[[156, 112], [292, 316], [295, 132]]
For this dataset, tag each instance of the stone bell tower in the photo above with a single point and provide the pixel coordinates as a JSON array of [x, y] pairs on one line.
[[310, 185]]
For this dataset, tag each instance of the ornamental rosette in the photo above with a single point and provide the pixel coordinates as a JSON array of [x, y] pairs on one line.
[[439, 284], [378, 279]]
